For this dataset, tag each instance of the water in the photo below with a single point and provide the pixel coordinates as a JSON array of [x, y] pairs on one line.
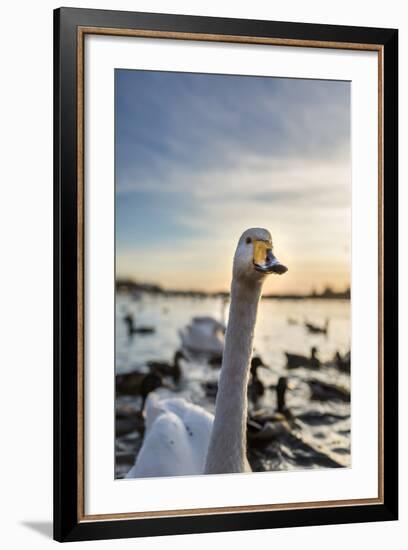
[[321, 435]]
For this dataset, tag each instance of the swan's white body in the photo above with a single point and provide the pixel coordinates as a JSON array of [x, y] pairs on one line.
[[176, 439], [184, 439], [203, 335]]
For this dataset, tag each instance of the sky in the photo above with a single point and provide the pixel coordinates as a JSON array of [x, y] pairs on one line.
[[199, 158]]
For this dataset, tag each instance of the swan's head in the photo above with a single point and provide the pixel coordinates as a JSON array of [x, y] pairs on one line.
[[254, 258]]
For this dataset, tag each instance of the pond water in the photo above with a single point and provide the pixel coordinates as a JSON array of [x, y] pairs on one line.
[[321, 436]]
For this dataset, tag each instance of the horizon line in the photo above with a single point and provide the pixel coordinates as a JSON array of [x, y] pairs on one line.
[[123, 282]]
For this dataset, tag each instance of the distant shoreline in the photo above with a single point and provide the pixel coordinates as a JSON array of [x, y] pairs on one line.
[[129, 286]]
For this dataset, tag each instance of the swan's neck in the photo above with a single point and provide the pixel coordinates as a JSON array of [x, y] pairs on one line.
[[227, 448]]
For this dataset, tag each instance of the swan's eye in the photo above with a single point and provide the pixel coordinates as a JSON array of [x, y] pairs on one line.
[[248, 240]]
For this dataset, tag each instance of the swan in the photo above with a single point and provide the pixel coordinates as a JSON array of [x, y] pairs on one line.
[[203, 335], [182, 438]]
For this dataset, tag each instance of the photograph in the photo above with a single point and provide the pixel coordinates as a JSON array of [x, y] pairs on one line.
[[225, 271], [202, 236], [232, 274]]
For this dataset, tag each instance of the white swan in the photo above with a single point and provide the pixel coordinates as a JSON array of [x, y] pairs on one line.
[[203, 335], [184, 439]]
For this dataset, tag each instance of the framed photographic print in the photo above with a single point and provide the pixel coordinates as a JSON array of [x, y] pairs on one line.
[[225, 274]]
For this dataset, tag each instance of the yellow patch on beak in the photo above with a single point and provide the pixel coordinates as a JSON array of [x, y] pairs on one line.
[[264, 259], [260, 253]]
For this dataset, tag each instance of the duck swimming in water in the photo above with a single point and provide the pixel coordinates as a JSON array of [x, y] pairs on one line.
[[294, 361], [132, 329], [342, 362], [256, 388], [264, 425], [322, 391], [134, 383], [315, 329], [137, 383], [165, 368]]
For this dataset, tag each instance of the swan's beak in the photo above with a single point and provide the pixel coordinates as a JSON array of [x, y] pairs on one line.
[[264, 259]]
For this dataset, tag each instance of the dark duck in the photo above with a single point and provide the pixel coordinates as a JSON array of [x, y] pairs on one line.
[[132, 329], [294, 361]]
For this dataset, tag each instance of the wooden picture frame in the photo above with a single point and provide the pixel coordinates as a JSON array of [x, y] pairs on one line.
[[70, 27]]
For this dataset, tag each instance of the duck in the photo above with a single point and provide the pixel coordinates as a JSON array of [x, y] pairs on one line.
[[292, 321], [281, 388], [204, 335], [265, 425], [134, 383], [127, 420], [132, 329], [315, 329], [294, 361], [165, 368], [137, 383], [215, 360], [256, 361], [256, 388], [281, 425], [342, 362], [182, 438], [322, 391]]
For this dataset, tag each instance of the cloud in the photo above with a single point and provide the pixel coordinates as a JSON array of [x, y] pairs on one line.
[[168, 120], [199, 158]]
